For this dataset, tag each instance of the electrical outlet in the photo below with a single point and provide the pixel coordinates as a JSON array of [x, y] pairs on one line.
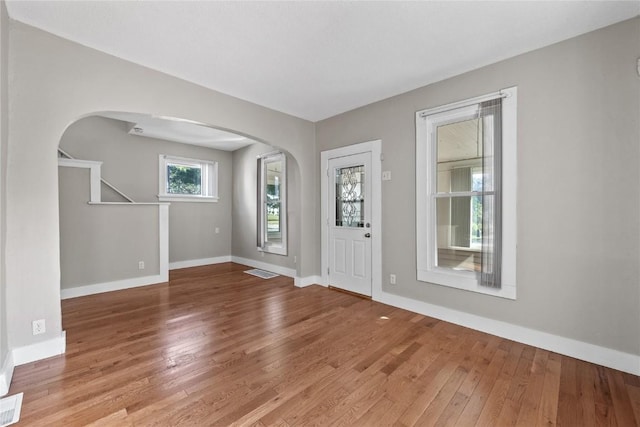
[[217, 230], [141, 265], [38, 327], [392, 279], [386, 175], [295, 259]]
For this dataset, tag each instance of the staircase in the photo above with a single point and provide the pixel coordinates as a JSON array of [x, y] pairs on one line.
[[113, 245], [85, 163]]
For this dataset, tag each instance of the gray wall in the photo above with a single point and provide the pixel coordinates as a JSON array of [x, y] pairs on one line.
[[578, 123], [131, 164], [245, 210], [54, 83], [578, 176], [4, 131], [103, 243]]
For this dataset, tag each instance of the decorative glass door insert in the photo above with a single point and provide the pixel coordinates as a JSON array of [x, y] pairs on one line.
[[349, 182], [349, 210]]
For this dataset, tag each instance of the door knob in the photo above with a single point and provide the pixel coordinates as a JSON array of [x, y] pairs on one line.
[[367, 235]]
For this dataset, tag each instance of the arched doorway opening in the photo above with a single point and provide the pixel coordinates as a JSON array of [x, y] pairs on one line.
[[114, 243]]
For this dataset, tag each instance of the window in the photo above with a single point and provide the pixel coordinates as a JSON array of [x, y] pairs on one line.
[[272, 203], [350, 196], [466, 194], [187, 180]]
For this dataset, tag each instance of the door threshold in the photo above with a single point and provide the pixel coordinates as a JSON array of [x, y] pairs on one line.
[[355, 294]]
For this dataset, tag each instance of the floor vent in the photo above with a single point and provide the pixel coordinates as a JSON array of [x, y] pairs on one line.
[[10, 409], [261, 273]]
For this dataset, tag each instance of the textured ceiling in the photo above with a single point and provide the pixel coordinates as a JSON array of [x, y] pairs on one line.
[[317, 59]]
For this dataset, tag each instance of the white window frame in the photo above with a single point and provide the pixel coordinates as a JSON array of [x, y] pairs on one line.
[[208, 176], [426, 171], [263, 244]]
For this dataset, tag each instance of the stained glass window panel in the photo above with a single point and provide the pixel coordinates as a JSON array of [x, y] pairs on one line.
[[350, 196]]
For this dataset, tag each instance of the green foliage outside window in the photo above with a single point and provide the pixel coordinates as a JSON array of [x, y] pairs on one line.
[[273, 208], [476, 207], [184, 179]]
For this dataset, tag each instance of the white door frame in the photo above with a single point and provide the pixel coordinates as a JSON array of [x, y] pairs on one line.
[[375, 147]]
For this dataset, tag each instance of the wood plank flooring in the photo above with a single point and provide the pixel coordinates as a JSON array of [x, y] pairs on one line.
[[216, 346]]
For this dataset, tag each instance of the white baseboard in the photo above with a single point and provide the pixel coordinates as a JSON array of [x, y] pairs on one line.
[[578, 349], [40, 350], [117, 285], [198, 262], [6, 373], [283, 271], [302, 282], [135, 282]]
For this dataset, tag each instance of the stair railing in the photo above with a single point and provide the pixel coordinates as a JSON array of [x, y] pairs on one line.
[[104, 181]]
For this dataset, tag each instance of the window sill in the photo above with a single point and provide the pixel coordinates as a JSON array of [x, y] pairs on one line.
[[462, 248], [466, 281], [177, 198], [276, 250]]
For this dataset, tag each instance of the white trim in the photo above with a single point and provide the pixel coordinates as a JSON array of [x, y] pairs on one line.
[[187, 199], [198, 262], [302, 282], [208, 179], [116, 285], [163, 241], [504, 93], [94, 174], [375, 147], [136, 282], [76, 163], [41, 350], [509, 187], [578, 349], [6, 373], [129, 203], [263, 244], [283, 271], [426, 121]]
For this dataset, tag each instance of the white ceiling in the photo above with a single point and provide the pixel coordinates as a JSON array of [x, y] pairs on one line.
[[317, 59], [180, 130], [459, 141]]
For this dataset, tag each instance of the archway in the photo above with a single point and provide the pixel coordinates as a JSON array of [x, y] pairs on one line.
[[56, 82], [115, 244]]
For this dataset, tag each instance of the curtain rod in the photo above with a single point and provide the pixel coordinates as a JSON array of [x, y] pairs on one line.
[[503, 93]]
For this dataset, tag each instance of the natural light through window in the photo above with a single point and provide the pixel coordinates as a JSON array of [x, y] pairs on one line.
[[183, 179], [465, 181], [272, 206]]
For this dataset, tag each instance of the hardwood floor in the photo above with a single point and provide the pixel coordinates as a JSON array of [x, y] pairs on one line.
[[216, 346]]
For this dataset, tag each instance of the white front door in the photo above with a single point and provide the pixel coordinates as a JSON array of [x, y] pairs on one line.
[[349, 222]]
